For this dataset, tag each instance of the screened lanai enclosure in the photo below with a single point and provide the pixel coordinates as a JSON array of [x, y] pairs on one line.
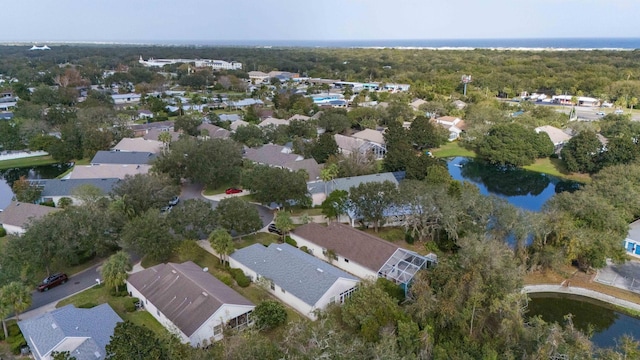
[[402, 266]]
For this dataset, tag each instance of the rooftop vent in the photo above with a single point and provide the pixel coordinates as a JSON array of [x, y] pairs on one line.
[[53, 325], [205, 293], [279, 249], [173, 271], [320, 270], [205, 269]]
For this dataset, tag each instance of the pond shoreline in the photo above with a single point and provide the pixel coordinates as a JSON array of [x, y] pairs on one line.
[[631, 308]]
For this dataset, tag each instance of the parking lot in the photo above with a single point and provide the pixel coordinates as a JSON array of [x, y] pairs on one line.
[[624, 276]]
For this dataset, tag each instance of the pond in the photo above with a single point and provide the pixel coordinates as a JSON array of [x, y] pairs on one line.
[[589, 316], [8, 176], [525, 189]]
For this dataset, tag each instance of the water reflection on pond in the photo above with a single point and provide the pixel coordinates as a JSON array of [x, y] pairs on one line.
[[525, 189], [8, 176], [589, 316]]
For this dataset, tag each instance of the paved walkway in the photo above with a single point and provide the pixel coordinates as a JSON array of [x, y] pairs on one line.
[[624, 276], [581, 292], [22, 154]]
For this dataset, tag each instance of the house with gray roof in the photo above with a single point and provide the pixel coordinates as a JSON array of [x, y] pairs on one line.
[[123, 157], [632, 241], [360, 253], [230, 117], [320, 189], [283, 157], [210, 131], [300, 280], [55, 189], [17, 216], [84, 333], [103, 171], [139, 145], [190, 302]]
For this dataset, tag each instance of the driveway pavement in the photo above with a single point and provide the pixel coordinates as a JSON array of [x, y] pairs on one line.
[[624, 276], [42, 302], [194, 191]]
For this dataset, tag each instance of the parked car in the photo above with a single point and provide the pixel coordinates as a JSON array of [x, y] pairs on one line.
[[232, 191], [166, 209], [273, 229], [619, 112], [53, 281], [600, 113], [174, 201]]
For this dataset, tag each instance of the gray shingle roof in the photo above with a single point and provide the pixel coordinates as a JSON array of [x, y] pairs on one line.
[[293, 270], [348, 182], [57, 329], [184, 293], [123, 157], [358, 246], [277, 155], [65, 187], [20, 214]]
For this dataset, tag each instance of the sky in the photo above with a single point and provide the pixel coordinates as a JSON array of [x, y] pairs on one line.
[[314, 20]]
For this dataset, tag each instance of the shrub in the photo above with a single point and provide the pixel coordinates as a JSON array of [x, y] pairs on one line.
[[13, 329], [409, 238], [88, 305], [240, 277], [305, 249], [269, 314], [393, 290], [65, 202], [290, 241], [225, 278], [48, 203], [130, 304], [16, 343], [3, 231]]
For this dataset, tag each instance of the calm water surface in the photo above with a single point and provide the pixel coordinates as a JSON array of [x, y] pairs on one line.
[[525, 189], [589, 316]]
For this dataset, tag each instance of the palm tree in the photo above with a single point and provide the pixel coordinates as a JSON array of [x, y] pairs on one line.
[[327, 174], [165, 137], [5, 310], [283, 222], [222, 242], [114, 270], [16, 296]]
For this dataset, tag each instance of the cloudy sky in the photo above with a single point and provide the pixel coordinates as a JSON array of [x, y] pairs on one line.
[[247, 20]]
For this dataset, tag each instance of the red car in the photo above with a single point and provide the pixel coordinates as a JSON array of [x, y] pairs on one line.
[[232, 191], [52, 281]]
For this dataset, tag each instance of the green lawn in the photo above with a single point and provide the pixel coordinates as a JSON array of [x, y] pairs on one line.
[[452, 149], [298, 211], [218, 190], [261, 238], [391, 234], [556, 167], [100, 294], [27, 162]]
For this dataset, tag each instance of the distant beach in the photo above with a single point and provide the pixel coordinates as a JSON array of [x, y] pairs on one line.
[[549, 44]]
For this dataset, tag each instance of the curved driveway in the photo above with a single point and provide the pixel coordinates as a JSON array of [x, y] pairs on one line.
[[194, 191]]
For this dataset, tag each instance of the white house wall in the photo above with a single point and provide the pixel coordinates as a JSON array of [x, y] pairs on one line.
[[351, 267], [12, 229], [286, 297], [340, 286], [151, 309], [226, 312]]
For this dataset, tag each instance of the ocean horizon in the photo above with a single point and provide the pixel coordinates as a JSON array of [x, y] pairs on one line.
[[461, 44]]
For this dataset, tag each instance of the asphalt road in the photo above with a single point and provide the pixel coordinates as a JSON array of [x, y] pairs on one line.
[[194, 191], [76, 283]]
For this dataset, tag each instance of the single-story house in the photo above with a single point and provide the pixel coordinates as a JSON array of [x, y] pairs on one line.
[[299, 117], [123, 157], [281, 156], [101, 171], [84, 333], [139, 145], [273, 121], [360, 253], [415, 104], [238, 123], [210, 131], [568, 100], [244, 103], [55, 189], [145, 114], [258, 77], [154, 134], [320, 189], [632, 241], [557, 136], [190, 302], [300, 280], [142, 129], [370, 135], [455, 126], [230, 117], [348, 145], [17, 216], [120, 99], [6, 115]]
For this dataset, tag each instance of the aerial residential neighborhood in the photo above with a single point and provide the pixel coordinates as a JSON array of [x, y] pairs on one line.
[[162, 201]]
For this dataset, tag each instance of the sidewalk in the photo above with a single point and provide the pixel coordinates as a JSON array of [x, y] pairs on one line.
[[218, 197]]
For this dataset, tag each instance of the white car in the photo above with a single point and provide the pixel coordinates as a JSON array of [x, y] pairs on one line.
[[619, 112], [600, 113]]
